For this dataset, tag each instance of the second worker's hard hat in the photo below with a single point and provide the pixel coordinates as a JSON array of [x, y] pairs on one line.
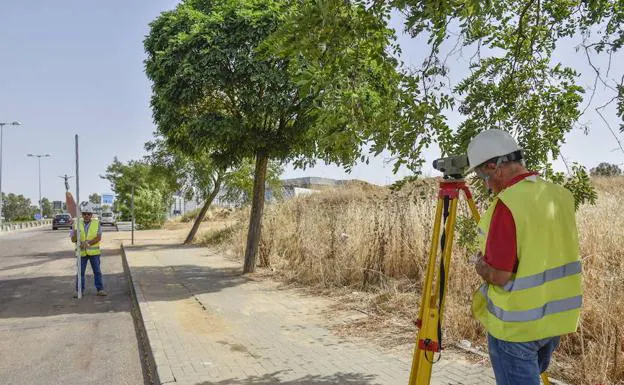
[[88, 208], [490, 144]]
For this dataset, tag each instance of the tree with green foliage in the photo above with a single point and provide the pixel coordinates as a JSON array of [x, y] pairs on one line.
[[514, 83], [218, 87], [153, 189], [606, 169], [150, 206], [46, 207], [196, 176], [17, 208], [239, 183], [95, 198]]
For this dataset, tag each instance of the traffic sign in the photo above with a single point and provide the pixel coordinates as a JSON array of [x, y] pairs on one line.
[[107, 199], [37, 216]]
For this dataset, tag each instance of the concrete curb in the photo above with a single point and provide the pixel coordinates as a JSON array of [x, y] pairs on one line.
[[157, 364]]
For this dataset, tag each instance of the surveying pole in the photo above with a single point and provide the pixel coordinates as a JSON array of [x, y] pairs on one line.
[[78, 216]]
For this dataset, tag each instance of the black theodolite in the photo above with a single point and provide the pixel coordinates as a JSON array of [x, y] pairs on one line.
[[453, 167]]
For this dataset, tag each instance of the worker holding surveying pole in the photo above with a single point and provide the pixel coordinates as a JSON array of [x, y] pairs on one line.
[[90, 233], [529, 260]]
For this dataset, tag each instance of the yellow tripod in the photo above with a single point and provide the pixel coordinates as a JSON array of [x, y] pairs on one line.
[[429, 322]]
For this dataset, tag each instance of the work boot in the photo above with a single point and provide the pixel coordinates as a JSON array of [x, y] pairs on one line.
[[76, 294], [102, 293]]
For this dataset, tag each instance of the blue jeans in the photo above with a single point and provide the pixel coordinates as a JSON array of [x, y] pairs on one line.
[[520, 363], [97, 273]]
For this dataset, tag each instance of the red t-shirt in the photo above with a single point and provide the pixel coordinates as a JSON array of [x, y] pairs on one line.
[[501, 247]]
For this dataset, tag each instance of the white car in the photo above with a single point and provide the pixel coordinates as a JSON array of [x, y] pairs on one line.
[[107, 218]]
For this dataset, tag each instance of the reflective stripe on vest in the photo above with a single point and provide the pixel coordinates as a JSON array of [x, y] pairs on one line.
[[532, 314], [541, 278]]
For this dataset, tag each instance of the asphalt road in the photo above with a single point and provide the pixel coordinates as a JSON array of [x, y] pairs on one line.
[[48, 337]]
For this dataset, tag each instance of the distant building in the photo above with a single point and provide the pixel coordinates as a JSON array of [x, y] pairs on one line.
[[290, 188], [311, 182], [308, 185], [180, 205]]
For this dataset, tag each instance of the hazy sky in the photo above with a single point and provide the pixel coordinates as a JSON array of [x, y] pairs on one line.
[[76, 67]]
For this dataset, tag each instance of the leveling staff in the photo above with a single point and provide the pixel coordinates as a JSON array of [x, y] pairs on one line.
[[529, 259]]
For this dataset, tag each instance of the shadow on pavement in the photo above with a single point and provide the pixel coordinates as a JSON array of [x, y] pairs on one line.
[[44, 255], [157, 246], [48, 295], [42, 296], [272, 378], [23, 265], [170, 283]]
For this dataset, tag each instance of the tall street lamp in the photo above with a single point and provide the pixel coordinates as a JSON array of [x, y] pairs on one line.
[[39, 156], [2, 124]]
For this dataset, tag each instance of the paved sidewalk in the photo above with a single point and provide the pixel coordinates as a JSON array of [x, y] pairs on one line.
[[208, 324]]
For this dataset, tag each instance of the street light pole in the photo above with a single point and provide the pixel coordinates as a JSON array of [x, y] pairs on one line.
[[39, 156], [132, 209], [2, 124]]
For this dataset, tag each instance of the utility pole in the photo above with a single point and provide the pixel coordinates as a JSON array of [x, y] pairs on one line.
[[2, 124], [39, 156], [132, 213]]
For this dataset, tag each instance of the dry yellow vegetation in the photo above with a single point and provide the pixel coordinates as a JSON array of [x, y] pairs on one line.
[[369, 246]]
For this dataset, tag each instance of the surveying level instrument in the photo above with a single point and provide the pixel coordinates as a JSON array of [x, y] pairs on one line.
[[429, 322]]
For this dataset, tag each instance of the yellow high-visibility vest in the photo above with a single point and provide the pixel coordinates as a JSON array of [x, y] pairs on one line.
[[544, 297], [94, 226]]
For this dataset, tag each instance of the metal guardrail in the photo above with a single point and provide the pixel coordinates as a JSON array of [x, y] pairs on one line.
[[6, 227], [125, 226]]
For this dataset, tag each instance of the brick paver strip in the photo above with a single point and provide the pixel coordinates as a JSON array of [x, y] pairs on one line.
[[208, 324]]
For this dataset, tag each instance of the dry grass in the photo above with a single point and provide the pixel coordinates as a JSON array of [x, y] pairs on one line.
[[369, 247], [214, 214]]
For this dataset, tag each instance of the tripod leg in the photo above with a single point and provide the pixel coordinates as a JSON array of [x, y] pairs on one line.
[[545, 379], [431, 264], [447, 253], [421, 367]]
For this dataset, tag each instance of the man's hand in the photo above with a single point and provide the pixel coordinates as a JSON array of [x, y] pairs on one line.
[[490, 274], [84, 245]]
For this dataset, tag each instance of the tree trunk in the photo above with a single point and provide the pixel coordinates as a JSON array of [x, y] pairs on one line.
[[204, 210], [255, 219]]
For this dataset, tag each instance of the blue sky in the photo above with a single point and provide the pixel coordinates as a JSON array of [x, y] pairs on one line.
[[76, 67]]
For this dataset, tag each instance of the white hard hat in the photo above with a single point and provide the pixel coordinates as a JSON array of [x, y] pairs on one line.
[[88, 208], [491, 144]]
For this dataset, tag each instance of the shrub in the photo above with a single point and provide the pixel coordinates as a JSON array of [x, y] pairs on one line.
[[606, 169]]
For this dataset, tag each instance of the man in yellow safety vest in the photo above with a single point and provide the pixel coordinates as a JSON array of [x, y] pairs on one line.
[[529, 260], [90, 237]]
